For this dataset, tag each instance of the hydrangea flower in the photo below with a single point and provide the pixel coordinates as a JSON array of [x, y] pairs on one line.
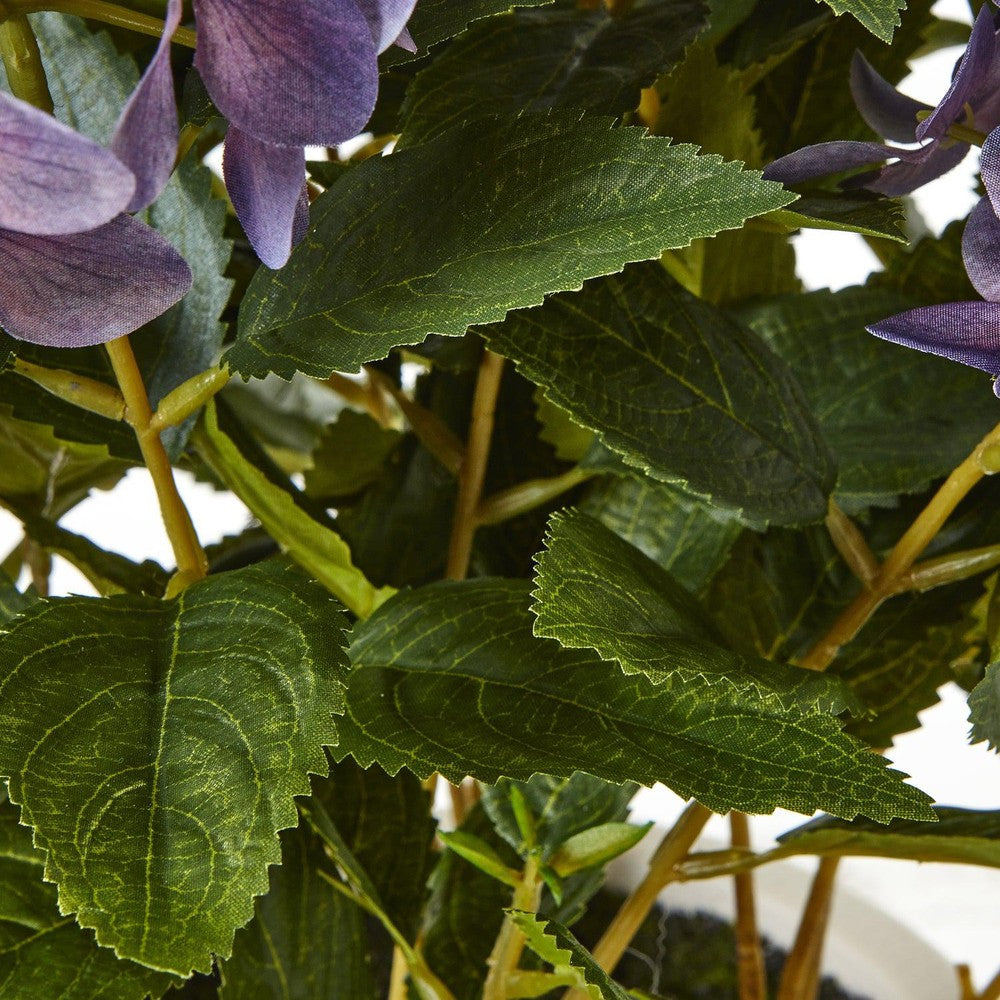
[[74, 270], [972, 102], [287, 74], [968, 332]]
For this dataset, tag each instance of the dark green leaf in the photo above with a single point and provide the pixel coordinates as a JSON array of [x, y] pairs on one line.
[[43, 953], [155, 747], [307, 940], [880, 17], [595, 591], [854, 212], [895, 418], [534, 206], [984, 708], [526, 703], [350, 456], [707, 402], [533, 60], [689, 538], [12, 601]]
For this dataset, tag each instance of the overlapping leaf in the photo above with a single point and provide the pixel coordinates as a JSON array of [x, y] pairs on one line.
[[484, 219], [677, 389], [595, 591], [551, 57], [155, 747], [880, 17], [528, 705]]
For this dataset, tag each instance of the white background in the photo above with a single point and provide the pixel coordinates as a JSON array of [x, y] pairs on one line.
[[954, 908]]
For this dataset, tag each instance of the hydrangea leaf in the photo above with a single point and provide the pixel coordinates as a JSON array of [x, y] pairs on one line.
[[698, 385], [12, 601], [851, 212], [551, 57], [984, 708], [307, 940], [46, 954], [895, 419], [880, 17], [595, 591], [536, 205], [350, 456], [531, 706], [155, 747]]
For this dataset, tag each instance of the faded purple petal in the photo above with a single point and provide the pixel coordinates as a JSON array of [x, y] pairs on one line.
[[968, 332], [917, 167], [145, 138], [265, 184], [87, 288], [405, 41], [989, 167], [981, 250], [52, 179], [974, 70], [827, 158], [290, 72], [387, 19], [885, 109]]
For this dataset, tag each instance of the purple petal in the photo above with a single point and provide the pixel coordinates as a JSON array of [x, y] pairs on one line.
[[387, 19], [989, 167], [917, 167], [290, 72], [827, 158], [145, 138], [405, 41], [885, 109], [265, 183], [968, 332], [974, 70], [52, 179], [981, 250], [87, 288]]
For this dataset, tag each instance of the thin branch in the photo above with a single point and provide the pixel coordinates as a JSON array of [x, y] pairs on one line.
[[851, 545], [532, 493], [751, 975], [107, 13]]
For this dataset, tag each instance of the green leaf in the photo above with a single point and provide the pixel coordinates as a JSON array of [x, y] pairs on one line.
[[12, 601], [960, 836], [350, 456], [597, 846], [312, 544], [554, 57], [307, 940], [187, 338], [707, 402], [880, 17], [527, 704], [595, 591], [854, 212], [477, 852], [984, 708], [896, 419], [560, 807], [554, 944], [534, 206], [155, 747], [689, 538], [43, 953]]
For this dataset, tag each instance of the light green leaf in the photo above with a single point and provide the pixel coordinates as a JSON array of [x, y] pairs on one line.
[[477, 852], [880, 17], [554, 57], [554, 944], [895, 418], [595, 591], [529, 705], [350, 456], [307, 941], [43, 953], [155, 747], [313, 545], [534, 206], [677, 389], [597, 846], [688, 537]]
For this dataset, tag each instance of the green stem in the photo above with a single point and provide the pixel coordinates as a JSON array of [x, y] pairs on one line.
[[87, 393], [949, 569], [106, 13], [509, 944], [23, 62], [188, 398], [528, 495]]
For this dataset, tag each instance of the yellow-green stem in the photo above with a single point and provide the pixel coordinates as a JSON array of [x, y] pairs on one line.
[[509, 944], [188, 398], [107, 13], [473, 471], [749, 954], [528, 495], [191, 562], [673, 849], [851, 544], [87, 393], [23, 62]]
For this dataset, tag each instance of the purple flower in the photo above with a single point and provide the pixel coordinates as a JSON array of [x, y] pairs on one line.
[[74, 270], [972, 101], [968, 332], [287, 74]]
